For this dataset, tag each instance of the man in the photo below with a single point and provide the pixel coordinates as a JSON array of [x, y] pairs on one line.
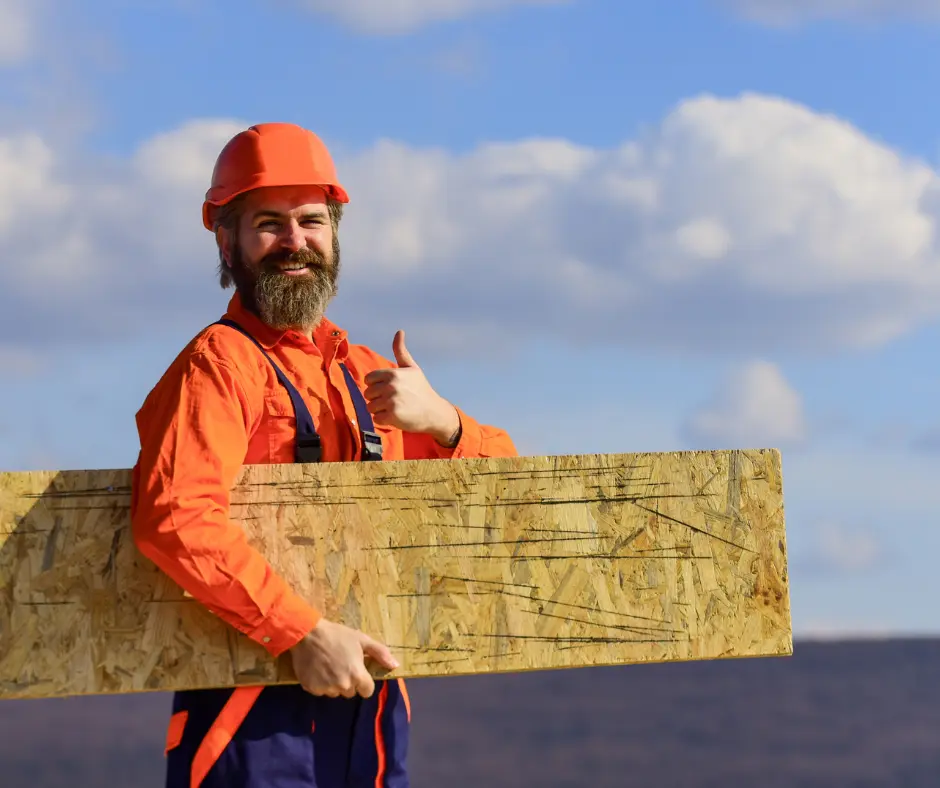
[[275, 382]]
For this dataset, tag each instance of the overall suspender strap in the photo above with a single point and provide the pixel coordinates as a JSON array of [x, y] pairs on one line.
[[308, 445], [371, 442]]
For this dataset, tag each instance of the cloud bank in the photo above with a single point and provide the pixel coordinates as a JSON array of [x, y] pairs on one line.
[[746, 226]]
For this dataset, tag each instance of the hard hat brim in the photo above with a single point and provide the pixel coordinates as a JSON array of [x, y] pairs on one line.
[[209, 206]]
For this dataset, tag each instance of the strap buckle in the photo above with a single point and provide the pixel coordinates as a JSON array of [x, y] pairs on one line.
[[308, 448], [371, 446]]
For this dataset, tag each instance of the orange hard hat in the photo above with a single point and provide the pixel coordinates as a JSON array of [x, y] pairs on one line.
[[270, 154]]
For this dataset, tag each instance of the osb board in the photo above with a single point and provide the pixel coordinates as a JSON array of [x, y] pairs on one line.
[[464, 566]]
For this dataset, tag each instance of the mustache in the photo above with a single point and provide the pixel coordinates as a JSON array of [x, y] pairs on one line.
[[305, 256]]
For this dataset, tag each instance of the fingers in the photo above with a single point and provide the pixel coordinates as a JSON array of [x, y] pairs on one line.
[[358, 682], [379, 376], [365, 685], [403, 359], [331, 661], [379, 404], [377, 389], [402, 356], [379, 652]]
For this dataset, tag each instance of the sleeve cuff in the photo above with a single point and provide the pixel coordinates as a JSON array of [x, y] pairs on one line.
[[286, 625], [470, 443]]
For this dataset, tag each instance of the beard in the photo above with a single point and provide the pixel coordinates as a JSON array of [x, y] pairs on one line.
[[287, 301]]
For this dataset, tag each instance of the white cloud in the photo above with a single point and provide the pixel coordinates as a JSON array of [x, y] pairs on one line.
[[788, 12], [703, 238], [847, 549], [16, 363], [393, 17], [16, 29], [464, 59], [27, 183], [837, 549], [95, 245], [748, 226], [755, 407]]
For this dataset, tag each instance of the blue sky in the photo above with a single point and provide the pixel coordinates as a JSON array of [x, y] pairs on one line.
[[605, 226]]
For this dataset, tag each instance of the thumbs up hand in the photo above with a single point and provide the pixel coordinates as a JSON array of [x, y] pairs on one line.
[[404, 398]]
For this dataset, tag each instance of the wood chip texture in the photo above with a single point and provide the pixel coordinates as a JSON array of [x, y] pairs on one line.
[[461, 566]]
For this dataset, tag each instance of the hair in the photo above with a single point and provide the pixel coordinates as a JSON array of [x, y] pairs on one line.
[[227, 218]]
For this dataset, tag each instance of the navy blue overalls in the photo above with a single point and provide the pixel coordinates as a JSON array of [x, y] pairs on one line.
[[290, 738]]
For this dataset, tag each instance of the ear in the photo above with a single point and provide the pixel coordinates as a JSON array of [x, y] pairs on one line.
[[223, 239]]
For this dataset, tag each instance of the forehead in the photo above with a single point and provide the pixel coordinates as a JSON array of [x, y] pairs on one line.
[[285, 200]]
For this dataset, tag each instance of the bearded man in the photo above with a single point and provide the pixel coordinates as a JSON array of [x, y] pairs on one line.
[[275, 381]]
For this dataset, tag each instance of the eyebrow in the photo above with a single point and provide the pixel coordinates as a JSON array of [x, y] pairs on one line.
[[316, 213]]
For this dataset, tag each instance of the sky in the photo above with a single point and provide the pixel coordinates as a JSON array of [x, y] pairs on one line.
[[604, 226]]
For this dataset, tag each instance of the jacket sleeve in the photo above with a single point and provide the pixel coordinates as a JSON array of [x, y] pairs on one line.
[[476, 440], [194, 430]]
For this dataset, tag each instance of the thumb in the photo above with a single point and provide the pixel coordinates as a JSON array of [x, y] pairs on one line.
[[379, 652], [402, 356]]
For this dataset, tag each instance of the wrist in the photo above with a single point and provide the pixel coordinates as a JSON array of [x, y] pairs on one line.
[[313, 634], [449, 432]]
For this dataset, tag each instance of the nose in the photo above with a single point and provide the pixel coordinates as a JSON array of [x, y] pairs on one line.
[[292, 236]]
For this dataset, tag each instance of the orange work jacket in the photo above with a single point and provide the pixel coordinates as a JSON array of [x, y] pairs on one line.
[[220, 406]]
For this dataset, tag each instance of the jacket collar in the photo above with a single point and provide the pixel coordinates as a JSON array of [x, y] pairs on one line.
[[327, 336]]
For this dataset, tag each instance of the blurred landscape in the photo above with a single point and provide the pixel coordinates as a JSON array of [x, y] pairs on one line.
[[862, 713]]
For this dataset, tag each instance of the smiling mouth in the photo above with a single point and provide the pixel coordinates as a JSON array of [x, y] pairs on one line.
[[294, 269]]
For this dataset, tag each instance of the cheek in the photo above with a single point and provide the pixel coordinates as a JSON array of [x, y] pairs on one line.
[[255, 247], [321, 241]]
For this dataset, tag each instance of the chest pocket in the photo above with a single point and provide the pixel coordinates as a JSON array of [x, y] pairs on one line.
[[276, 435], [277, 431]]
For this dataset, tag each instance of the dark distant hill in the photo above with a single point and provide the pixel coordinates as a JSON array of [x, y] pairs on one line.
[[840, 715]]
